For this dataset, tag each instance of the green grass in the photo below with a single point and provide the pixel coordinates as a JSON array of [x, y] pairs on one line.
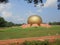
[[18, 32]]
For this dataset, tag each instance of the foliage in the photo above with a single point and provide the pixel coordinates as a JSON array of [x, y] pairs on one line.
[[32, 1], [54, 23], [4, 23], [9, 24], [58, 5], [46, 42], [3, 1], [35, 2], [57, 42], [36, 43]]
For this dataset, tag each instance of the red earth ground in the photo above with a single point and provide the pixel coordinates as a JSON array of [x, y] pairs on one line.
[[21, 40]]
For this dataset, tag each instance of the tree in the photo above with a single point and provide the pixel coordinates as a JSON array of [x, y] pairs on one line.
[[54, 23], [35, 2], [2, 22], [58, 4], [9, 24], [41, 1], [3, 1]]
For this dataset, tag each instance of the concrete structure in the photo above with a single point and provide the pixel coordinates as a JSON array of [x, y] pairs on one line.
[[35, 21]]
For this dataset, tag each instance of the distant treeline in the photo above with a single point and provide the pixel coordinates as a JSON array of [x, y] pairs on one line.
[[54, 23], [4, 23]]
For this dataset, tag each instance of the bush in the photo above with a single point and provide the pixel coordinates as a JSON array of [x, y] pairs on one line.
[[57, 42], [36, 43], [46, 42]]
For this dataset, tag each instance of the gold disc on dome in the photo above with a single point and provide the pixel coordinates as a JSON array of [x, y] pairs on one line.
[[34, 19]]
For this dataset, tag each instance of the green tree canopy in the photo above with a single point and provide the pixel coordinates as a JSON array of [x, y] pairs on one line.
[[2, 22]]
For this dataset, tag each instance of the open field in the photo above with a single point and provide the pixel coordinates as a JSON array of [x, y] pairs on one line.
[[18, 32], [51, 39]]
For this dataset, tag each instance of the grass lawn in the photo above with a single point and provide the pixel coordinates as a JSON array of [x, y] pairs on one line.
[[18, 32]]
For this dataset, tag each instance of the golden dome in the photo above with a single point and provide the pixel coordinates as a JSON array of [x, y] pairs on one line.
[[34, 19]]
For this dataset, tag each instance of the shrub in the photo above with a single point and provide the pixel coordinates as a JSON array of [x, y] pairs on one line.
[[46, 42], [36, 43]]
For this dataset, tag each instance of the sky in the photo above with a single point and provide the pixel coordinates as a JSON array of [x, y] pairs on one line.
[[18, 11]]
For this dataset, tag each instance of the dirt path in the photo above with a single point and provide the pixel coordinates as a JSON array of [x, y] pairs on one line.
[[51, 38]]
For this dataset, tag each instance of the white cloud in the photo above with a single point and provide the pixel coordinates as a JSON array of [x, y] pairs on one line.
[[39, 10], [50, 3], [4, 10], [47, 4], [6, 14], [29, 13], [4, 7], [20, 19], [17, 18], [39, 7]]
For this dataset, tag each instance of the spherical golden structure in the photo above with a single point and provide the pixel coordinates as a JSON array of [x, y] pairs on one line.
[[34, 19]]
